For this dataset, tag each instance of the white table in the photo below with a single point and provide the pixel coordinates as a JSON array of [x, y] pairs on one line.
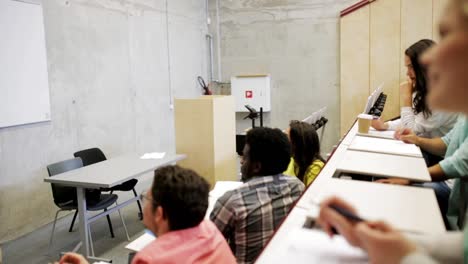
[[106, 174], [385, 165], [410, 209]]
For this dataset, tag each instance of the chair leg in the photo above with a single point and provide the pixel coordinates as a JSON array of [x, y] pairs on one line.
[[110, 224], [140, 215], [123, 222], [91, 241], [53, 230], [73, 221]]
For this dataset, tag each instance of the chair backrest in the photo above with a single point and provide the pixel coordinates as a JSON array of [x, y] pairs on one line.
[[63, 194], [90, 156]]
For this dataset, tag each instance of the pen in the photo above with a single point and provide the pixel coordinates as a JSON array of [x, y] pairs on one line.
[[346, 213]]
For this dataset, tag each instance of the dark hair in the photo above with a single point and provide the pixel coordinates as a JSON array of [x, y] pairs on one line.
[[182, 194], [305, 146], [414, 53], [271, 148]]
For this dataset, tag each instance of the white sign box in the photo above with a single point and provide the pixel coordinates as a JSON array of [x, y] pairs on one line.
[[253, 90]]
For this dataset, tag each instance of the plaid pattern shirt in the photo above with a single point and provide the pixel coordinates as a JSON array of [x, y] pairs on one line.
[[249, 215]]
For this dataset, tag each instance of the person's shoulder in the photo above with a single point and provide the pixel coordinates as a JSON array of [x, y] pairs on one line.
[[232, 196], [318, 163], [146, 255], [294, 181]]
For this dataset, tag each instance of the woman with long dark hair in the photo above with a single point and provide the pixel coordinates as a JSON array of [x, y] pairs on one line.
[[306, 162], [415, 113]]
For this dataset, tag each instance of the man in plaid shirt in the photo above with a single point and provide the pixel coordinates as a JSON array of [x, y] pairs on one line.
[[249, 215]]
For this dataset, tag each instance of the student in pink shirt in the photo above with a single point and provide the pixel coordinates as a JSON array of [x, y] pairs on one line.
[[174, 210]]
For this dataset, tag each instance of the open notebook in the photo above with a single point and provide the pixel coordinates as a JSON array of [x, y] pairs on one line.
[[386, 146], [315, 246]]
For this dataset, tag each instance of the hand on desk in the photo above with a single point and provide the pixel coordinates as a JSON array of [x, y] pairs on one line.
[[394, 181], [382, 243], [378, 124], [73, 258], [407, 135]]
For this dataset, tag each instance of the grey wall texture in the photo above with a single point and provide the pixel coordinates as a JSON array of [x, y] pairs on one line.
[[297, 42], [114, 67]]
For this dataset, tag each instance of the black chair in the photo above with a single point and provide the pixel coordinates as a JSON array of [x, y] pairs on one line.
[[95, 155], [65, 197]]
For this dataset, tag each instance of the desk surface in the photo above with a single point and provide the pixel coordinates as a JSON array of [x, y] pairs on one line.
[[408, 208], [411, 209], [387, 146], [385, 165], [112, 172]]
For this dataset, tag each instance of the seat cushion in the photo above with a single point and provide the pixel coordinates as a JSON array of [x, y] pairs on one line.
[[126, 186], [105, 201]]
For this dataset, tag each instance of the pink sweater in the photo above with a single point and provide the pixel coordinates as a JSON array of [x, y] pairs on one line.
[[201, 244]]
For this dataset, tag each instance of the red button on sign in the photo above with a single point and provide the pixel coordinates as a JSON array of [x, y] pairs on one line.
[[248, 94]]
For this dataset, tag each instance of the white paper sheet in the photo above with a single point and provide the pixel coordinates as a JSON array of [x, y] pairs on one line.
[[388, 134], [219, 190], [315, 246], [221, 187], [153, 155], [141, 242], [387, 146]]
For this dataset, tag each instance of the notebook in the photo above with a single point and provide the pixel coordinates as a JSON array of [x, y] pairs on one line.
[[315, 246], [386, 146], [387, 134]]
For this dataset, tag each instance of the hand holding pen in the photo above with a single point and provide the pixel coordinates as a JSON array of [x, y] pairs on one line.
[[337, 216], [382, 242]]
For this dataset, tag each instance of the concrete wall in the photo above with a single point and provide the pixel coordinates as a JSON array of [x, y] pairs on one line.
[[297, 41], [114, 66]]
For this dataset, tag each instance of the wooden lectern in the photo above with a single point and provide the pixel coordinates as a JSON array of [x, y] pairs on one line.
[[205, 130]]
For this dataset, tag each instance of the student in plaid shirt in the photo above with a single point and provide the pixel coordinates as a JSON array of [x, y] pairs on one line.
[[249, 215]]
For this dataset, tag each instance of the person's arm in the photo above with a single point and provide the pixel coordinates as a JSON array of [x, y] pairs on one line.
[[393, 125], [436, 146], [456, 165], [380, 125], [312, 172], [408, 119], [437, 173], [444, 248], [223, 215]]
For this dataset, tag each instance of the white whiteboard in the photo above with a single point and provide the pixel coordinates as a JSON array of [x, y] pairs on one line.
[[24, 87]]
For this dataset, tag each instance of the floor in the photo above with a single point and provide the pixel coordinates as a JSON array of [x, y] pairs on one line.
[[32, 248]]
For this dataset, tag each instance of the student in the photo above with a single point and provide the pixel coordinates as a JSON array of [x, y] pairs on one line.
[[306, 162], [174, 210], [249, 215], [449, 91], [415, 113]]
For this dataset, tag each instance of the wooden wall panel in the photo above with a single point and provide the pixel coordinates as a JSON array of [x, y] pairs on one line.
[[354, 65], [416, 24], [439, 7], [385, 49], [390, 26]]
